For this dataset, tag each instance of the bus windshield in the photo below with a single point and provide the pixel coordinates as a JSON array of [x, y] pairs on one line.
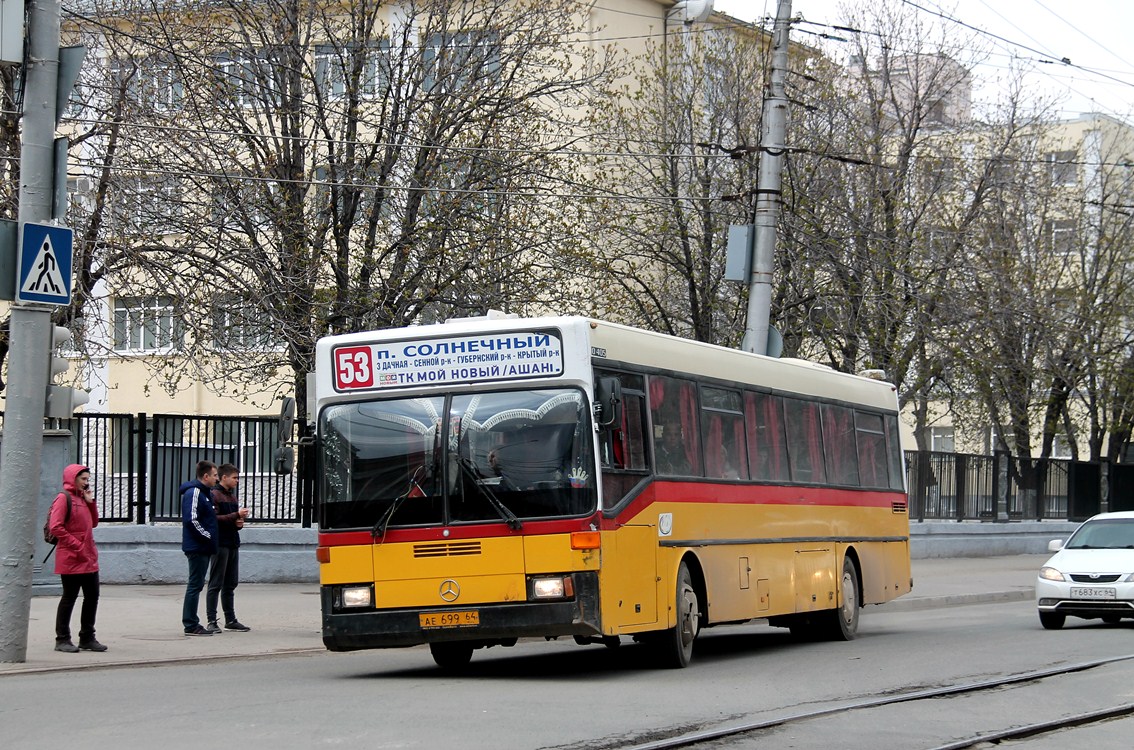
[[465, 458]]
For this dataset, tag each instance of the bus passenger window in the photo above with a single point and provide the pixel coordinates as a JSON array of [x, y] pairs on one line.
[[673, 408], [804, 440], [871, 449], [722, 433], [894, 453], [839, 445], [624, 447], [767, 446]]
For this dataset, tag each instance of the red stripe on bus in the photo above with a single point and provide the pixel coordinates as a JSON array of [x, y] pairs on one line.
[[437, 533], [747, 494]]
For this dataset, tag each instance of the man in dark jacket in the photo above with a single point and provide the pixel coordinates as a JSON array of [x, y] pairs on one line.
[[224, 572], [198, 540]]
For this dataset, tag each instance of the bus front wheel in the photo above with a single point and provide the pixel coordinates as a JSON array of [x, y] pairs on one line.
[[675, 645], [451, 655]]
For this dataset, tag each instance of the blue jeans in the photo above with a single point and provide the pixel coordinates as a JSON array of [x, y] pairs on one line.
[[198, 567], [223, 579]]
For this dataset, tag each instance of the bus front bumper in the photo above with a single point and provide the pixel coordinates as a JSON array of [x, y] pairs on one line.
[[392, 628]]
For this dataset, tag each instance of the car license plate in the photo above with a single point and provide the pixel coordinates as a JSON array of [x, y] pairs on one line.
[[1092, 592], [468, 618]]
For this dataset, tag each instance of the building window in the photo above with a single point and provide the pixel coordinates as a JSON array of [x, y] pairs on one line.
[[146, 324], [333, 66], [941, 440], [1061, 447], [150, 202], [1060, 237], [241, 327], [250, 79], [1062, 171], [152, 83], [995, 444], [456, 60]]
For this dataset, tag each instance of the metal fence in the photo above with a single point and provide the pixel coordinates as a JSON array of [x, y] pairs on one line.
[[960, 486], [139, 461]]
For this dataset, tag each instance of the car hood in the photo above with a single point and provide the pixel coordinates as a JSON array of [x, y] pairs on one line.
[[1093, 561]]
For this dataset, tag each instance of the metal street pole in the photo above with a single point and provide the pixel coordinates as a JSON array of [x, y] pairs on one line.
[[22, 444], [768, 188]]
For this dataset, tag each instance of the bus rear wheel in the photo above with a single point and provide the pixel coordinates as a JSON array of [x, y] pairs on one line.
[[675, 646], [451, 655], [842, 624]]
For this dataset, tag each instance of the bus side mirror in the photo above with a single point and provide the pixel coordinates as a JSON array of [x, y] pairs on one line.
[[284, 460], [284, 455], [287, 420], [608, 402]]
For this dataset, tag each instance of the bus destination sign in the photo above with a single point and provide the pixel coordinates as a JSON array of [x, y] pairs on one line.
[[461, 359]]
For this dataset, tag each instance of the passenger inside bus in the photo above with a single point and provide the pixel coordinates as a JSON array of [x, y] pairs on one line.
[[669, 451]]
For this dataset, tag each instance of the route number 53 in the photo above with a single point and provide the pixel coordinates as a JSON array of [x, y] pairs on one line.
[[353, 368]]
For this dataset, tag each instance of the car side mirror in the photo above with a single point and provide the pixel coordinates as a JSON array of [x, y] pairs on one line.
[[1055, 545]]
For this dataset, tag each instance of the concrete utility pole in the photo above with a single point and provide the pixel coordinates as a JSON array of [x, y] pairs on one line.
[[767, 212], [28, 361]]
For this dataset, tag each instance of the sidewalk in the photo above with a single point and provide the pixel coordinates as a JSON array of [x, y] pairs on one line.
[[142, 624]]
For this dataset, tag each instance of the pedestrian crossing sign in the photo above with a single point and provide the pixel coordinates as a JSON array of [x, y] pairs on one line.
[[45, 264]]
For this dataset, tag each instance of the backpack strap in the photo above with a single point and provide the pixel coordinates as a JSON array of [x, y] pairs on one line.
[[66, 520]]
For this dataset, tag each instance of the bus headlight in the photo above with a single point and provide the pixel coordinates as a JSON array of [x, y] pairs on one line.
[[356, 596], [552, 587]]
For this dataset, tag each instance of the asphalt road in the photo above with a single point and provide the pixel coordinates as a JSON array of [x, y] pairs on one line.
[[559, 695]]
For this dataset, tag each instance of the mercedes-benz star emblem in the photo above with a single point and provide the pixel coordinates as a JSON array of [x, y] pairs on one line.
[[450, 590]]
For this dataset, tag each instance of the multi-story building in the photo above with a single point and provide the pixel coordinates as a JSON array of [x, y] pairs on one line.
[[231, 157]]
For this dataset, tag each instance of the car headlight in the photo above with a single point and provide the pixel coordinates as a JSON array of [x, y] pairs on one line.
[[356, 596], [1128, 579], [1051, 574], [552, 587]]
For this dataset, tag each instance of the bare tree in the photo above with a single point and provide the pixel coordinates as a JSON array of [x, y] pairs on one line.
[[882, 202], [287, 170], [684, 135]]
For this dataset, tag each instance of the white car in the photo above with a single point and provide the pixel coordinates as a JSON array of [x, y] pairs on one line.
[[1092, 576]]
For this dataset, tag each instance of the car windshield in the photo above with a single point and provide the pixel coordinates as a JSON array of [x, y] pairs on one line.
[[1110, 533], [485, 457]]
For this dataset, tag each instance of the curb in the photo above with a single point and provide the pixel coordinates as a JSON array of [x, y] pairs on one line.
[[954, 600], [25, 668]]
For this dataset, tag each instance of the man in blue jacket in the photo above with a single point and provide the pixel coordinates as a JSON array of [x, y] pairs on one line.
[[198, 540]]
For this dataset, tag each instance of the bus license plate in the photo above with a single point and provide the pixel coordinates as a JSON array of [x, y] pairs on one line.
[[468, 618], [1093, 592]]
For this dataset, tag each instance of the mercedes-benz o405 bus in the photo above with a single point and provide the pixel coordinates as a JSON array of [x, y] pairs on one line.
[[498, 478]]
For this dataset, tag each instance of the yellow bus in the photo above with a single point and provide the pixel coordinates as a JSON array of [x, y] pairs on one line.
[[497, 478]]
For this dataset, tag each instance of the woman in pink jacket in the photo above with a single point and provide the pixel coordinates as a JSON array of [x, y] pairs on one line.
[[76, 559]]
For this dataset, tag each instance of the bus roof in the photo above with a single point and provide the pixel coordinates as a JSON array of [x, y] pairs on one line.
[[660, 351], [616, 343]]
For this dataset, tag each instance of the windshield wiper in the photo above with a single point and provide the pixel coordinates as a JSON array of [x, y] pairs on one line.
[[501, 509], [379, 528]]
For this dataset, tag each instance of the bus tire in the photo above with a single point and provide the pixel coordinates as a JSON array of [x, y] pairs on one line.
[[675, 645], [843, 620], [451, 655]]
